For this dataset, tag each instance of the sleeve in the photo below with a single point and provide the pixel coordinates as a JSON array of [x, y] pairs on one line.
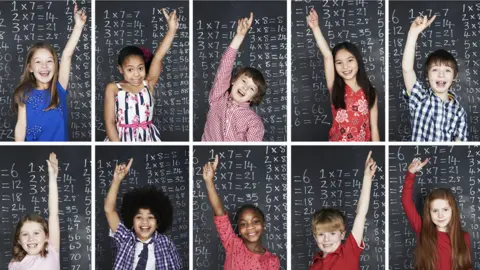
[[60, 88], [225, 231], [461, 126], [408, 204], [122, 235], [12, 266], [255, 130], [53, 252], [176, 260], [275, 263], [352, 248], [417, 94], [223, 76]]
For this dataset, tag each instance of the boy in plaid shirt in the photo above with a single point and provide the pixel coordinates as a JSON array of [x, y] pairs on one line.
[[436, 113], [230, 117]]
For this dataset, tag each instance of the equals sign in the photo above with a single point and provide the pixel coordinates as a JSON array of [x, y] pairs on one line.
[[40, 37], [353, 35], [129, 24], [4, 174], [438, 43], [443, 160], [299, 11], [306, 122], [238, 166], [346, 174], [5, 198], [223, 26], [238, 155], [274, 47], [442, 150], [128, 16], [40, 17], [129, 34], [238, 176], [40, 7], [238, 186]]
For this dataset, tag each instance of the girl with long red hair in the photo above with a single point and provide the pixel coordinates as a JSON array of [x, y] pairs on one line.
[[441, 242]]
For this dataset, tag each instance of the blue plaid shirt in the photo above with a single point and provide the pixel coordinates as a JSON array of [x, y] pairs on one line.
[[166, 255], [435, 120]]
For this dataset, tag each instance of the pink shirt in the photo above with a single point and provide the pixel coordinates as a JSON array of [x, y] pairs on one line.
[[226, 120], [238, 257], [36, 262]]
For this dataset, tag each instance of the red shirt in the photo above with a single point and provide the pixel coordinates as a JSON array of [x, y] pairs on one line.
[[353, 123], [444, 248], [238, 257], [226, 120], [345, 257]]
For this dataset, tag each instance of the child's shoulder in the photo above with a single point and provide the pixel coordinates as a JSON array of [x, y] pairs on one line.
[[112, 87]]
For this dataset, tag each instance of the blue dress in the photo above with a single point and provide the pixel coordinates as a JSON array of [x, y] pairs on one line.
[[49, 125]]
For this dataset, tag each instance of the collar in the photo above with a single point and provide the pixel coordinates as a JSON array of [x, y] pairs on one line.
[[451, 97], [319, 255], [241, 105]]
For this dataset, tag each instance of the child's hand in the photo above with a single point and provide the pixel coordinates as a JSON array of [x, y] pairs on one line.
[[370, 167], [243, 25], [80, 16], [121, 171], [209, 170], [420, 23], [52, 164], [312, 19], [172, 19], [417, 165]]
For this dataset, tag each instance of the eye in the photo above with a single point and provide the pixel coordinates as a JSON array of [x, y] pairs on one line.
[[434, 211], [333, 233], [129, 70], [141, 68], [50, 61]]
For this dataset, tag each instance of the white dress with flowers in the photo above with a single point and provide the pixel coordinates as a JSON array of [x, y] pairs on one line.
[[134, 113]]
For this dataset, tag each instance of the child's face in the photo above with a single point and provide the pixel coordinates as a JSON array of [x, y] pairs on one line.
[[243, 89], [144, 224], [133, 70], [42, 66], [251, 226], [346, 65], [329, 241], [32, 237], [440, 78], [441, 214]]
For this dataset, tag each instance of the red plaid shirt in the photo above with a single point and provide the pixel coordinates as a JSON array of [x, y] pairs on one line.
[[226, 120]]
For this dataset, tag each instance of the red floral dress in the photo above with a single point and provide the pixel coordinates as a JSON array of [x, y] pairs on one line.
[[353, 123]]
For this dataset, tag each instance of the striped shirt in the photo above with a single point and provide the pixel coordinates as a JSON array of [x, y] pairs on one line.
[[435, 120], [166, 255], [226, 120]]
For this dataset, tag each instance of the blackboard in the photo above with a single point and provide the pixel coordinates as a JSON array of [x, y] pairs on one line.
[[456, 168], [359, 22], [142, 23], [164, 167], [456, 30], [22, 24], [245, 175], [24, 190], [264, 48], [332, 177]]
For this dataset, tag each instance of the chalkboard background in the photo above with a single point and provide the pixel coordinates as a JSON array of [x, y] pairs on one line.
[[332, 177], [256, 175], [23, 24], [24, 190], [264, 48], [456, 168], [456, 29], [142, 23], [165, 167], [360, 22]]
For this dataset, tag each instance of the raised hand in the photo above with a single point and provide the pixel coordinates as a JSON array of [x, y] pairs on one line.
[[209, 170], [52, 164], [312, 19], [420, 23], [417, 165], [121, 170], [370, 167], [79, 15], [244, 24], [172, 19]]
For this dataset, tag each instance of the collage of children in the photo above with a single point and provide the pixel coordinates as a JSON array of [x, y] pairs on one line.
[[240, 135]]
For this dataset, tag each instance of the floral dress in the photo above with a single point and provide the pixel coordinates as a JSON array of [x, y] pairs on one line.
[[353, 123], [134, 114]]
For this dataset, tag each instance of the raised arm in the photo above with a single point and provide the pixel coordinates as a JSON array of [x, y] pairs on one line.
[[156, 64], [109, 113], [418, 25], [111, 201], [224, 71], [312, 20], [364, 200], [407, 194], [53, 220], [66, 61], [208, 175], [21, 126]]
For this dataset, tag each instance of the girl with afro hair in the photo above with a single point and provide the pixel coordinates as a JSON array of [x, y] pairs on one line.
[[146, 214]]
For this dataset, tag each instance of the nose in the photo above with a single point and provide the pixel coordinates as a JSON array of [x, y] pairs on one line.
[[440, 214], [327, 237]]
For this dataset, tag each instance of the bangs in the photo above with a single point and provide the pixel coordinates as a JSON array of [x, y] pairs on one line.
[[437, 61], [330, 226]]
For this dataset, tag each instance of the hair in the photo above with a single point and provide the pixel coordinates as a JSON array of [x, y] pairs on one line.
[[18, 253], [426, 250], [338, 91], [257, 79], [128, 51], [440, 57], [151, 198], [28, 81], [245, 207], [328, 220]]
